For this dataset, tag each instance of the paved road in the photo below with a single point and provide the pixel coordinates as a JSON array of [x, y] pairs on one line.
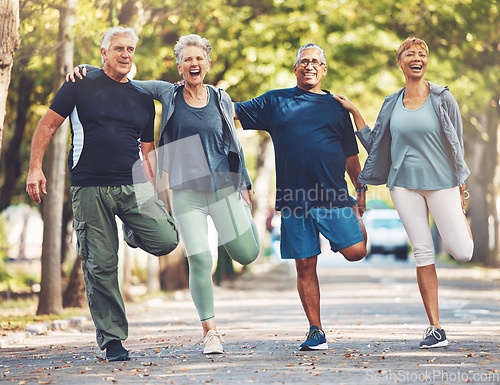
[[371, 311]]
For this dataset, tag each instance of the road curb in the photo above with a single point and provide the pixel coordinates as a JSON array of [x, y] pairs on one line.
[[41, 329]]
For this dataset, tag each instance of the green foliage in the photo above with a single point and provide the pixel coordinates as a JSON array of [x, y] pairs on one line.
[[254, 44], [4, 275]]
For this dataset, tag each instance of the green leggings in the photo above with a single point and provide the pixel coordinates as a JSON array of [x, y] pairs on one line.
[[236, 230]]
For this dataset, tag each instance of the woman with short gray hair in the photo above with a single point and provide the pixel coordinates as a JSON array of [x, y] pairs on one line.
[[207, 174]]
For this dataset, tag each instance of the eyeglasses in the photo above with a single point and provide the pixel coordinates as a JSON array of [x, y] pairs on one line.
[[305, 63]]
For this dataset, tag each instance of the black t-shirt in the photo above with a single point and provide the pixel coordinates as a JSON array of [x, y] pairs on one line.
[[108, 121]]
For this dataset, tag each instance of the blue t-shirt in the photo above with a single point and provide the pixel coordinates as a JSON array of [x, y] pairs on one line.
[[312, 135], [108, 121]]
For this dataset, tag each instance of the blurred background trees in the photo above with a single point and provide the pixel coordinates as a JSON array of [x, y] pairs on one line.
[[254, 44]]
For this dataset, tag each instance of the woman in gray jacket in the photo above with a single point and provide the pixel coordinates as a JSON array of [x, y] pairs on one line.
[[206, 173], [416, 147]]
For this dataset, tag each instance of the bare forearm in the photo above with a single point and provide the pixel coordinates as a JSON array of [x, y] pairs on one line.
[[353, 168], [45, 130], [149, 160], [235, 117], [359, 121]]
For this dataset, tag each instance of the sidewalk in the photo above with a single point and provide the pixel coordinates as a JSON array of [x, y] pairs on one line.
[[372, 315]]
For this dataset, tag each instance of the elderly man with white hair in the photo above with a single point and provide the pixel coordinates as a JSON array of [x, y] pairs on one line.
[[112, 123]]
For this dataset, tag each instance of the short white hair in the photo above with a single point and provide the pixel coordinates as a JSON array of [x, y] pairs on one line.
[[311, 46], [116, 31], [191, 40]]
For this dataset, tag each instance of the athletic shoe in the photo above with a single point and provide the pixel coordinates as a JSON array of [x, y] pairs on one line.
[[212, 343], [116, 352], [433, 338], [316, 340]]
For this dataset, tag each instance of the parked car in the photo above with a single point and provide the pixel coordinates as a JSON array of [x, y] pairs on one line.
[[386, 234]]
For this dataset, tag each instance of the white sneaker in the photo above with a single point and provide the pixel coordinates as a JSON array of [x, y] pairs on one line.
[[212, 343]]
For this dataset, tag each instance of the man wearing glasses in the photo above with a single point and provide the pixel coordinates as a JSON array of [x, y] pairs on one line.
[[314, 146]]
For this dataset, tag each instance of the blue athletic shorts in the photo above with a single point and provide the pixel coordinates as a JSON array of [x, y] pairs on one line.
[[300, 230]]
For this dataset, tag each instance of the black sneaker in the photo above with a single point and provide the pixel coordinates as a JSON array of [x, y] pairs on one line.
[[315, 340], [433, 338], [116, 352]]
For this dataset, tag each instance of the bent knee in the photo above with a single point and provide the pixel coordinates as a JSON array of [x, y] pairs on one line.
[[165, 246], [462, 252], [463, 255], [246, 256], [355, 253]]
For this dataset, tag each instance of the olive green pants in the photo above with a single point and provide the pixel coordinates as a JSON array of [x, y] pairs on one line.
[[94, 209], [236, 230]]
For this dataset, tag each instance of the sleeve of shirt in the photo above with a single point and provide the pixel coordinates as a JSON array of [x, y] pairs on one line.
[[254, 114], [453, 110], [349, 143], [154, 87], [65, 99], [148, 134]]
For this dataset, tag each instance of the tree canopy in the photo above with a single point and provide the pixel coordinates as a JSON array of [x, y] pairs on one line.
[[254, 44]]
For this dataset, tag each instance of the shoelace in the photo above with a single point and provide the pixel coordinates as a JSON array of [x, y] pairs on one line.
[[211, 336], [431, 330], [316, 334]]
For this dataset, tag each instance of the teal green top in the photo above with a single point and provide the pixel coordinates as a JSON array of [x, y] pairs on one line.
[[421, 155]]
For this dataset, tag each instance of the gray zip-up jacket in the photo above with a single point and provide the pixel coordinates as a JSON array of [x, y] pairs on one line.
[[377, 142], [165, 92]]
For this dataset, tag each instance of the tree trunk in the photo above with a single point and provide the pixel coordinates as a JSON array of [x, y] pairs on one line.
[[494, 123], [125, 273], [478, 206], [173, 270], [51, 293], [225, 267], [260, 210], [12, 168], [74, 295], [491, 121], [153, 274], [9, 41]]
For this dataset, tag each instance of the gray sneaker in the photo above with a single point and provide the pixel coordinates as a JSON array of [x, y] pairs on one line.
[[433, 338]]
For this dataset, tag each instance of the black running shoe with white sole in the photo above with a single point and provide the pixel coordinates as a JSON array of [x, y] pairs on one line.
[[433, 338]]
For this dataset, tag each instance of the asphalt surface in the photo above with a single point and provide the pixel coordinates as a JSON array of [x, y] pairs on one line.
[[372, 315]]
